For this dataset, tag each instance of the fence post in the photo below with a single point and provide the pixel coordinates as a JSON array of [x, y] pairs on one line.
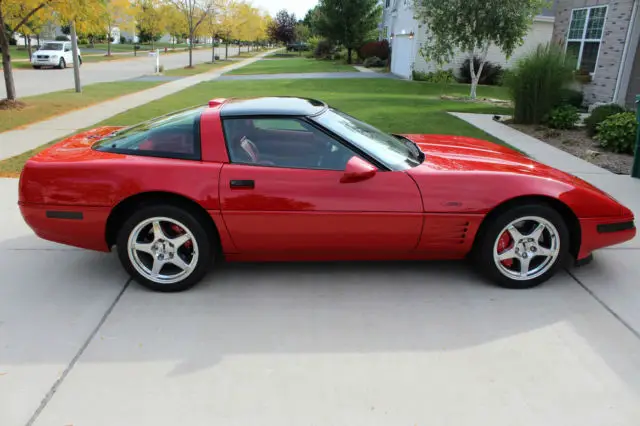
[[635, 171]]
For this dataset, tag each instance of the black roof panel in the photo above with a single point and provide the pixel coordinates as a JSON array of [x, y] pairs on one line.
[[272, 106]]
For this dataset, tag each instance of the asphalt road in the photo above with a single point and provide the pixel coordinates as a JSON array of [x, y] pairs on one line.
[[307, 344], [35, 82]]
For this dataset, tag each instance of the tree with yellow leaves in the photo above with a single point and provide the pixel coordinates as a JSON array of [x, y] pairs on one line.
[[117, 13], [176, 25], [19, 12], [151, 19], [195, 13]]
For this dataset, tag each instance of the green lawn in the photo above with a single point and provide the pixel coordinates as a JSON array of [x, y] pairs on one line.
[[391, 105], [197, 69], [41, 107], [294, 65]]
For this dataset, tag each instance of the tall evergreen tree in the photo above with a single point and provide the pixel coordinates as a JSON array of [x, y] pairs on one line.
[[348, 22]]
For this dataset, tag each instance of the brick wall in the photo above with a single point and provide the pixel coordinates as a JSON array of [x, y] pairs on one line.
[[602, 87]]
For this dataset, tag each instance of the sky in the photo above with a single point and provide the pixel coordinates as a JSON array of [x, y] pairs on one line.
[[299, 7]]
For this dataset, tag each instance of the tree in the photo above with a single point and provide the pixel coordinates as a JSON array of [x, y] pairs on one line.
[[227, 21], [283, 27], [473, 26], [348, 22], [195, 12], [176, 24], [118, 13], [311, 20], [21, 11], [302, 32], [151, 21]]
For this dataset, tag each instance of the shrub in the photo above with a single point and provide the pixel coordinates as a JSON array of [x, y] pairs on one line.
[[491, 73], [618, 132], [535, 84], [374, 61], [123, 39], [571, 97], [600, 114], [563, 117], [62, 38], [323, 49], [83, 41], [440, 76], [379, 49]]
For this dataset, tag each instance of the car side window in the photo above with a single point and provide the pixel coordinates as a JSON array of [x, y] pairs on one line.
[[283, 142], [175, 135]]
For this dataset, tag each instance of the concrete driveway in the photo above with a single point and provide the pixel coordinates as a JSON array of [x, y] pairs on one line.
[[35, 82], [349, 344]]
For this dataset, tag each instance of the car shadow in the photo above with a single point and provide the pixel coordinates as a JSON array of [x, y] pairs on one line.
[[328, 308]]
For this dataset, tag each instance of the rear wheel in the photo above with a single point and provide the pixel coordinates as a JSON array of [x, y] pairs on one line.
[[164, 248], [523, 247]]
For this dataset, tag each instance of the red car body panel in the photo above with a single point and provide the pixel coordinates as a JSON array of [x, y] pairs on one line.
[[432, 211]]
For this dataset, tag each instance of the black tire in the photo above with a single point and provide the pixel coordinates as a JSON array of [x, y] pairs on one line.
[[36, 67], [483, 256], [79, 61], [205, 247], [62, 64]]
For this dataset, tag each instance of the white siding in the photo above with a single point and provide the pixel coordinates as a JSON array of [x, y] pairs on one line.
[[541, 32], [399, 20]]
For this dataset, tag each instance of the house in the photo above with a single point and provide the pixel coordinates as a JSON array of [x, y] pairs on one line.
[[603, 35], [406, 36]]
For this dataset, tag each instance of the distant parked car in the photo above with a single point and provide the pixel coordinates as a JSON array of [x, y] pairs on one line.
[[54, 54], [297, 47]]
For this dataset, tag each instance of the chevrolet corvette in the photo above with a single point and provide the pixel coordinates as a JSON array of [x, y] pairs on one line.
[[292, 179]]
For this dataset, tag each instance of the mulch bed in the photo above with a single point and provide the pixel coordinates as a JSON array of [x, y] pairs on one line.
[[6, 104], [576, 142]]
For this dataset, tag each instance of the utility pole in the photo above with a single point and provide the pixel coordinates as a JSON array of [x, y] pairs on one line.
[[74, 53]]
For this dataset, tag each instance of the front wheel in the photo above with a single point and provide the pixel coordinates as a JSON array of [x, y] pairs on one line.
[[164, 248], [523, 247], [62, 64]]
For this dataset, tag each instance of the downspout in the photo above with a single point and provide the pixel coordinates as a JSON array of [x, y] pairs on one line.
[[625, 51]]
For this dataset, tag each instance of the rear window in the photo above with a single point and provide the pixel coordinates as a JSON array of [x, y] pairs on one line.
[[175, 135]]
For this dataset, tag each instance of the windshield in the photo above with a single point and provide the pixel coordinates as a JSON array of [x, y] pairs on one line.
[[395, 153], [51, 46]]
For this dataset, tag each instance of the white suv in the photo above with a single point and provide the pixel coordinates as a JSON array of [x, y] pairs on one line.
[[54, 54]]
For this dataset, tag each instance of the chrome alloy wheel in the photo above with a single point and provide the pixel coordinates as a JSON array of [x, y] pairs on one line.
[[162, 250], [526, 248]]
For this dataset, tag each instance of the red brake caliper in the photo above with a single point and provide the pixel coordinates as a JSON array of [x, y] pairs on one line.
[[180, 231], [504, 243]]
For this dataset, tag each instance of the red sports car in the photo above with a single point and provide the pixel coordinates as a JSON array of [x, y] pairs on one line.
[[294, 179]]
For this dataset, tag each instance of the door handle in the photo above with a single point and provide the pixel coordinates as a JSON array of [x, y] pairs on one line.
[[242, 184]]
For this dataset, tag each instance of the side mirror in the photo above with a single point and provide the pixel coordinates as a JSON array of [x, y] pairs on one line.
[[357, 170]]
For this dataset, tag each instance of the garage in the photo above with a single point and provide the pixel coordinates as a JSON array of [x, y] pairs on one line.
[[402, 56]]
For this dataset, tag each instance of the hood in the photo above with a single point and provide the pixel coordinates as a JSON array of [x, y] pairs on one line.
[[464, 154], [468, 155]]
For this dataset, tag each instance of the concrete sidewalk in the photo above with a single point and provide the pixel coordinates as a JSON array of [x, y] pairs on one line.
[[16, 142], [613, 276]]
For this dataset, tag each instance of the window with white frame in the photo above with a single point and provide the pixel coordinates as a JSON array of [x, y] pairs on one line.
[[387, 3], [585, 36]]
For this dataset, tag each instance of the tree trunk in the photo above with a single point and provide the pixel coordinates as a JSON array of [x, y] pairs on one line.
[[74, 52], [109, 41], [28, 39], [226, 49], [213, 50], [38, 40], [475, 75], [6, 62], [191, 49], [349, 50]]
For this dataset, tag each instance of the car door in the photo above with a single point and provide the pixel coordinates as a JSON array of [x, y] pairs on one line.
[[284, 192], [68, 57]]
